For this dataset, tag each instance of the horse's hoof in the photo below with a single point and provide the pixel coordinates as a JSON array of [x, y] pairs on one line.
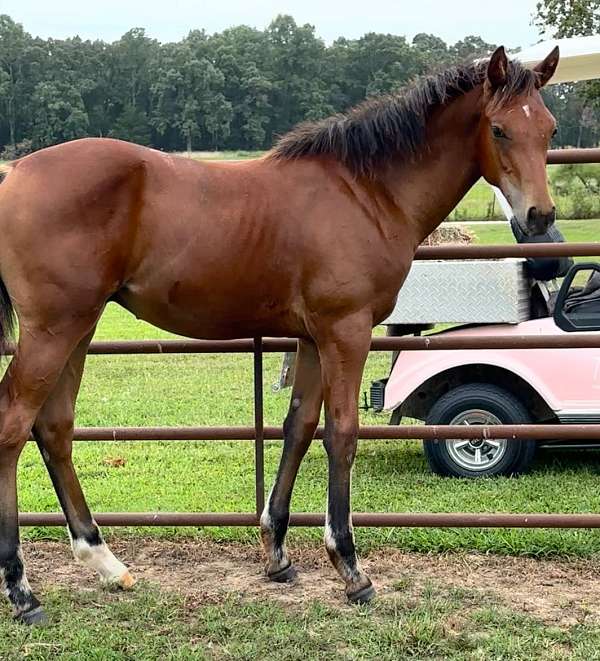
[[35, 617], [126, 581], [362, 596], [123, 582], [285, 575]]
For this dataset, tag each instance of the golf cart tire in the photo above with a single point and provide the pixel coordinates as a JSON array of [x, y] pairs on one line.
[[501, 404]]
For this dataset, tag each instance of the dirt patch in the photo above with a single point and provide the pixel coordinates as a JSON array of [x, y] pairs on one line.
[[557, 592]]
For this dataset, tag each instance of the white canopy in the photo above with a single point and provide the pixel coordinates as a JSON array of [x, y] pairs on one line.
[[579, 57]]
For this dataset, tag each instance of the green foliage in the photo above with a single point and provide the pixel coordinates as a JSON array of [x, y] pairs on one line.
[[11, 152], [568, 18], [237, 89], [576, 190], [575, 106]]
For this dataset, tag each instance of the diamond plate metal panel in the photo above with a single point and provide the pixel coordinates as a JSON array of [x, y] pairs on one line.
[[468, 291]]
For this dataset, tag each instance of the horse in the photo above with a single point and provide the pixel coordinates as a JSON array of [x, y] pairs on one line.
[[313, 240]]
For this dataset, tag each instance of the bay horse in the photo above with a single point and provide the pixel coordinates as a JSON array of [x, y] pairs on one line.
[[312, 240]]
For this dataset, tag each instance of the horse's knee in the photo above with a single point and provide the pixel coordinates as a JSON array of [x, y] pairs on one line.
[[14, 432]]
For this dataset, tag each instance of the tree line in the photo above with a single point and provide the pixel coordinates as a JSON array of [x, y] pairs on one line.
[[237, 89]]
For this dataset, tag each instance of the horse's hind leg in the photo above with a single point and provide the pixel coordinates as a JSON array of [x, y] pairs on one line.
[[53, 432], [36, 367], [299, 428]]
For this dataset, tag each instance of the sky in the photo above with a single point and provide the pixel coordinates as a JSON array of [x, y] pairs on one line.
[[506, 22]]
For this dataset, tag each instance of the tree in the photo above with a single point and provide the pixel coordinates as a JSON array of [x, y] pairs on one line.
[[294, 65], [188, 97], [432, 50], [132, 124], [572, 18], [59, 114], [17, 63], [471, 48], [240, 53], [568, 18], [239, 88], [380, 63]]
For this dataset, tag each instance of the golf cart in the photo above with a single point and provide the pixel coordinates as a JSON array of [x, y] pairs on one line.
[[499, 297]]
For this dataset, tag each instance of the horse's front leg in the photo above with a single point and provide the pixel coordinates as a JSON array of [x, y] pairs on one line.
[[343, 349], [299, 428]]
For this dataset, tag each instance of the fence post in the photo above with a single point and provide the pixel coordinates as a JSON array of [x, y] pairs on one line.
[[259, 439]]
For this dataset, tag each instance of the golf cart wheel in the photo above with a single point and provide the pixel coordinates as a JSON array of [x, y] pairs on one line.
[[478, 404]]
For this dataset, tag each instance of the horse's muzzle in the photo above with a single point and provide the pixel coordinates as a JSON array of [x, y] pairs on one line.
[[539, 223]]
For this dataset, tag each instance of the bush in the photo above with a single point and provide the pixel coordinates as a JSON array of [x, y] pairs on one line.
[[11, 152], [576, 190]]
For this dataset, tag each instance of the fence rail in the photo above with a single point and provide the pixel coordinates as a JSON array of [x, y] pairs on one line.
[[259, 433]]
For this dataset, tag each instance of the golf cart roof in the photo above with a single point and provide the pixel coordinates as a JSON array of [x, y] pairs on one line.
[[579, 58]]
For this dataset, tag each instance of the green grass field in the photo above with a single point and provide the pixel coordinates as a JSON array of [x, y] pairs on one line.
[[432, 623]]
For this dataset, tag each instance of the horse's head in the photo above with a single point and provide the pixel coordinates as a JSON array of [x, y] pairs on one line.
[[515, 132]]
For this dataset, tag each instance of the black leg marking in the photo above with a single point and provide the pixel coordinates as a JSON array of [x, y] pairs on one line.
[[26, 606]]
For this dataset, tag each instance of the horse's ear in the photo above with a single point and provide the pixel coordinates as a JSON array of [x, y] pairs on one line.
[[545, 69], [497, 70]]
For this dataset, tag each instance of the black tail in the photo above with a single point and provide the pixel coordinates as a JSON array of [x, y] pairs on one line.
[[7, 319], [7, 313]]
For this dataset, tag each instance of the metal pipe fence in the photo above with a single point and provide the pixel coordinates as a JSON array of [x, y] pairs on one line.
[[259, 433]]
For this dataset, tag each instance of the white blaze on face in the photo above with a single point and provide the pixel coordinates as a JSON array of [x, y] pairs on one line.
[[527, 111]]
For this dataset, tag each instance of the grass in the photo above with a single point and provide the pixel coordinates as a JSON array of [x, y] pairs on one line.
[[575, 231], [435, 623]]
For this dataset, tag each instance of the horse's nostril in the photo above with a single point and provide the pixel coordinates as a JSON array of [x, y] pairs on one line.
[[531, 213]]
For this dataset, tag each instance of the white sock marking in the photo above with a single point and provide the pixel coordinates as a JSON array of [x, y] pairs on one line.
[[100, 558]]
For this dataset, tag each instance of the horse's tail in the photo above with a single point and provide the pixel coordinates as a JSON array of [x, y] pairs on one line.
[[7, 313]]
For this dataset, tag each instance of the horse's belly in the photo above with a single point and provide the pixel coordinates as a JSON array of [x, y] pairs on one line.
[[205, 317]]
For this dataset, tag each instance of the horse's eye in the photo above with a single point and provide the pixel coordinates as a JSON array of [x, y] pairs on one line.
[[498, 132]]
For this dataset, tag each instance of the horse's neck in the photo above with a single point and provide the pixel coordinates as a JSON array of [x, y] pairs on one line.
[[427, 189]]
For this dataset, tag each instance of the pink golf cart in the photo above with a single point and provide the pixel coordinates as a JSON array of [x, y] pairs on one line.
[[507, 386]]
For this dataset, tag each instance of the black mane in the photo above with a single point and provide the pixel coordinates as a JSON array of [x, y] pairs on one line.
[[367, 135]]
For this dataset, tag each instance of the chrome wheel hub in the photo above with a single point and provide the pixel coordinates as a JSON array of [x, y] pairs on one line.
[[476, 455]]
